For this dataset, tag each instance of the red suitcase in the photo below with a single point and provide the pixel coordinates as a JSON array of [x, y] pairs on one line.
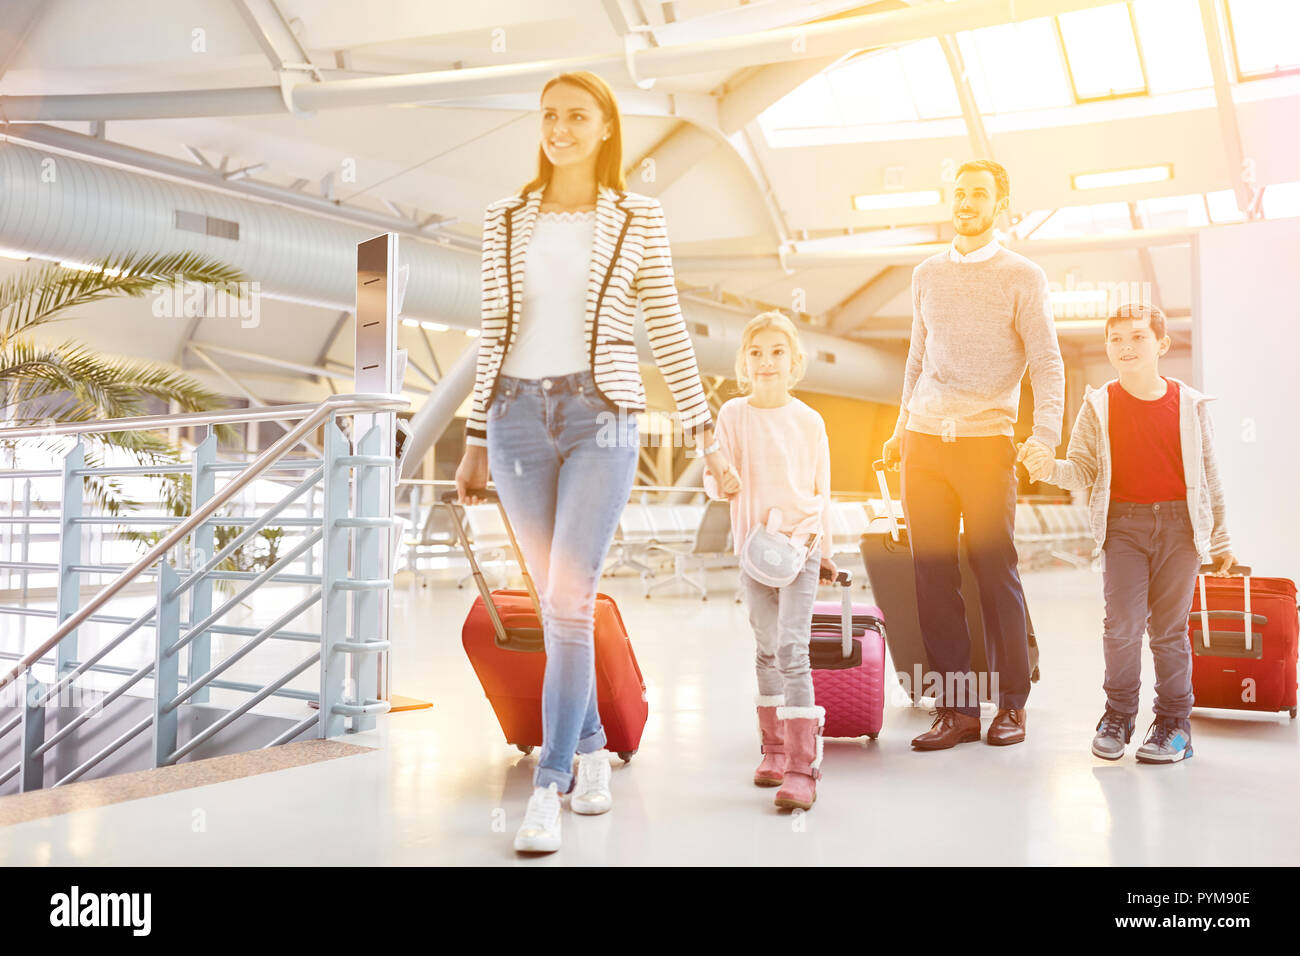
[[1238, 667], [503, 640], [847, 654]]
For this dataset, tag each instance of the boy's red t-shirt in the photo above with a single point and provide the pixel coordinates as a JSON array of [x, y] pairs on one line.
[[1146, 450]]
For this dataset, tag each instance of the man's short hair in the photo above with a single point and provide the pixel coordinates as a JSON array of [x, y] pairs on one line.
[[999, 172], [1137, 311]]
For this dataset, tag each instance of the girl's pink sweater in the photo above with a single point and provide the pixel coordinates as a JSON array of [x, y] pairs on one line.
[[784, 461]]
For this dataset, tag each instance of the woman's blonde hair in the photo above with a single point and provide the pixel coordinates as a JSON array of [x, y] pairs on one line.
[[770, 320], [609, 160]]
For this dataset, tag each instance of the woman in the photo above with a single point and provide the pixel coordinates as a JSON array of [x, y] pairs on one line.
[[564, 265]]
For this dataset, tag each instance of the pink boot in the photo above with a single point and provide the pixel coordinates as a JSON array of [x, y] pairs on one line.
[[803, 756], [771, 771]]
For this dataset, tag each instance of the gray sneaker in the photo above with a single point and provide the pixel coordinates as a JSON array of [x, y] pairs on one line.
[[1114, 731], [1168, 741]]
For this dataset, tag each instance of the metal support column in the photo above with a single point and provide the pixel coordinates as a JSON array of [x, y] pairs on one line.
[[204, 485], [31, 775], [69, 587], [334, 568], [166, 671], [377, 370]]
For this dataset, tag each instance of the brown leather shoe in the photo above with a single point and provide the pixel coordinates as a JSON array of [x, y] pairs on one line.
[[1008, 727], [951, 727]]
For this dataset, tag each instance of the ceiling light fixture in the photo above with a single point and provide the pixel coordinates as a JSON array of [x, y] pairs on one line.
[[1123, 177], [866, 202]]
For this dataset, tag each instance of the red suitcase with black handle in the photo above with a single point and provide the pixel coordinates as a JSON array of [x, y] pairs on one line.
[[502, 636], [1240, 667]]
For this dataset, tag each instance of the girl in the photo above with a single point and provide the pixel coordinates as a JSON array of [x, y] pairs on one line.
[[782, 461], [564, 265]]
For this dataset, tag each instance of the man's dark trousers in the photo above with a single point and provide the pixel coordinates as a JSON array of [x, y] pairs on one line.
[[944, 481]]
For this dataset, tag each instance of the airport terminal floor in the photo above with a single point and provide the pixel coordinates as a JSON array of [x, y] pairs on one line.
[[442, 787]]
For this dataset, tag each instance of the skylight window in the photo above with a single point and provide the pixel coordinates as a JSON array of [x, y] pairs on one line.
[[1101, 53], [873, 89], [1173, 45], [930, 79], [1015, 66], [1265, 36]]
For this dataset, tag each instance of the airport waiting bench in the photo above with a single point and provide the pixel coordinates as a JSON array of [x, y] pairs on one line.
[[697, 537]]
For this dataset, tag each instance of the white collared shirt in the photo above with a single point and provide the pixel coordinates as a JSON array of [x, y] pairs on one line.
[[984, 252]]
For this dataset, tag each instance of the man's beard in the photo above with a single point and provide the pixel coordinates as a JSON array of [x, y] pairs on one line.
[[973, 227]]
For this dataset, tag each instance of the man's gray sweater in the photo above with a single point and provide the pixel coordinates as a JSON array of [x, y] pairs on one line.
[[976, 326]]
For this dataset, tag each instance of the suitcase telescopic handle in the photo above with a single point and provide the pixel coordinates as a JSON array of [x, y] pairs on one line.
[[527, 638], [1244, 574], [878, 466], [1236, 571], [845, 580]]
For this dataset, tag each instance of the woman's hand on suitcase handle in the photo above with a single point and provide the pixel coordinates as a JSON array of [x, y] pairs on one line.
[[892, 452], [472, 475]]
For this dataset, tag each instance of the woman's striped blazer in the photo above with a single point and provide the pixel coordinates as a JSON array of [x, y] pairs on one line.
[[630, 264]]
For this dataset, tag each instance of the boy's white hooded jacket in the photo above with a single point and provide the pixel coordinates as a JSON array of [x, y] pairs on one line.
[[1087, 466]]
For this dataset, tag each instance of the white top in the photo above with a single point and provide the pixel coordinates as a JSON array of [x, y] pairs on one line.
[[984, 252], [549, 340]]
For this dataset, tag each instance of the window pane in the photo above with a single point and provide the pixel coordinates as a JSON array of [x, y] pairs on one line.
[[873, 89], [927, 72], [1086, 220], [1282, 200], [1102, 51], [1223, 206], [811, 104], [1173, 212], [1173, 44], [1266, 34], [1016, 66]]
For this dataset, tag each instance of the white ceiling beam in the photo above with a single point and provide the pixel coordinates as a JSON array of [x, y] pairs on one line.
[[1229, 128], [860, 307], [276, 37], [980, 145], [912, 254], [242, 389], [750, 18], [1145, 263], [20, 17], [827, 38]]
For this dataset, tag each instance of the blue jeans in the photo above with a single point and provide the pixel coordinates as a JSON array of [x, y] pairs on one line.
[[782, 623], [563, 459], [1150, 575]]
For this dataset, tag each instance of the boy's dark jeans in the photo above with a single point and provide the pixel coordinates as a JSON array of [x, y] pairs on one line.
[[1150, 576], [943, 483]]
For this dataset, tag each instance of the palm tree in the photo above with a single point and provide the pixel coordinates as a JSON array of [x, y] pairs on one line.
[[68, 382]]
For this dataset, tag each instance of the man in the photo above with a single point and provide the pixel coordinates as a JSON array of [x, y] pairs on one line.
[[980, 315]]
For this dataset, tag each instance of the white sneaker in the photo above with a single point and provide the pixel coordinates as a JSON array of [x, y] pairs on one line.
[[540, 831], [591, 792]]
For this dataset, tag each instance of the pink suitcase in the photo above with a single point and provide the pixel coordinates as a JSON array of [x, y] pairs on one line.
[[847, 652]]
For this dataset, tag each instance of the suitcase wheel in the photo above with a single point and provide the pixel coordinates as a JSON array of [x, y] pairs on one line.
[[1035, 675], [1292, 711], [625, 755], [525, 750], [873, 736]]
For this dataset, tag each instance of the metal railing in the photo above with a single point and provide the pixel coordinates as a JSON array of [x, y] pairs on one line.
[[350, 531]]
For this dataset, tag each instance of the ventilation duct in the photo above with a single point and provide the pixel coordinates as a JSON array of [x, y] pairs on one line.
[[62, 207]]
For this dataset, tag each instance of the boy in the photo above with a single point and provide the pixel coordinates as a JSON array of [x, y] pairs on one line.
[[1143, 446]]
